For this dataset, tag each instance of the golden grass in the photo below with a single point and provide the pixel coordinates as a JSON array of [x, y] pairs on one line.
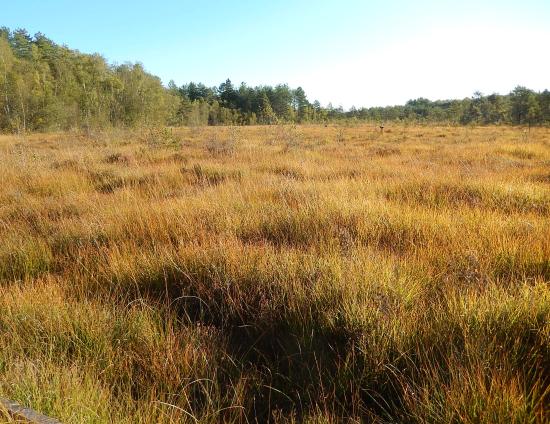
[[285, 274]]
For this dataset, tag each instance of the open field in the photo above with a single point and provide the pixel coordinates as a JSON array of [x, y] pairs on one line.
[[292, 274]]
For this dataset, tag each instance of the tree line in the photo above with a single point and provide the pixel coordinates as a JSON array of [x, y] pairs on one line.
[[46, 86], [522, 106]]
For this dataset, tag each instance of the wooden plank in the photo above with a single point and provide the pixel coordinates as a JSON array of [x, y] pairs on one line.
[[22, 414]]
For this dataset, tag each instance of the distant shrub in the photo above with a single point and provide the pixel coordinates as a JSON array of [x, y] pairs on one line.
[[289, 136], [224, 146], [160, 137]]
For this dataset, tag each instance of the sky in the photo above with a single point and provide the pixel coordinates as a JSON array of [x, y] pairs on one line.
[[348, 52]]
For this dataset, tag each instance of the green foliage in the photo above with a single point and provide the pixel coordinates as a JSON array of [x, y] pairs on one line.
[[521, 106], [45, 86], [267, 116]]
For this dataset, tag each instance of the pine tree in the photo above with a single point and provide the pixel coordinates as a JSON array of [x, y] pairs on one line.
[[267, 116]]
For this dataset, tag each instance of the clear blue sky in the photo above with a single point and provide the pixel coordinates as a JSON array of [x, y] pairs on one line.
[[350, 52]]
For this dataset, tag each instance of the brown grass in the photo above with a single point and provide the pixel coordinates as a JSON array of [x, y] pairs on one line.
[[284, 274]]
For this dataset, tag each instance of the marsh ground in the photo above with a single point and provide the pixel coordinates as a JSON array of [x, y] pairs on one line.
[[306, 274]]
